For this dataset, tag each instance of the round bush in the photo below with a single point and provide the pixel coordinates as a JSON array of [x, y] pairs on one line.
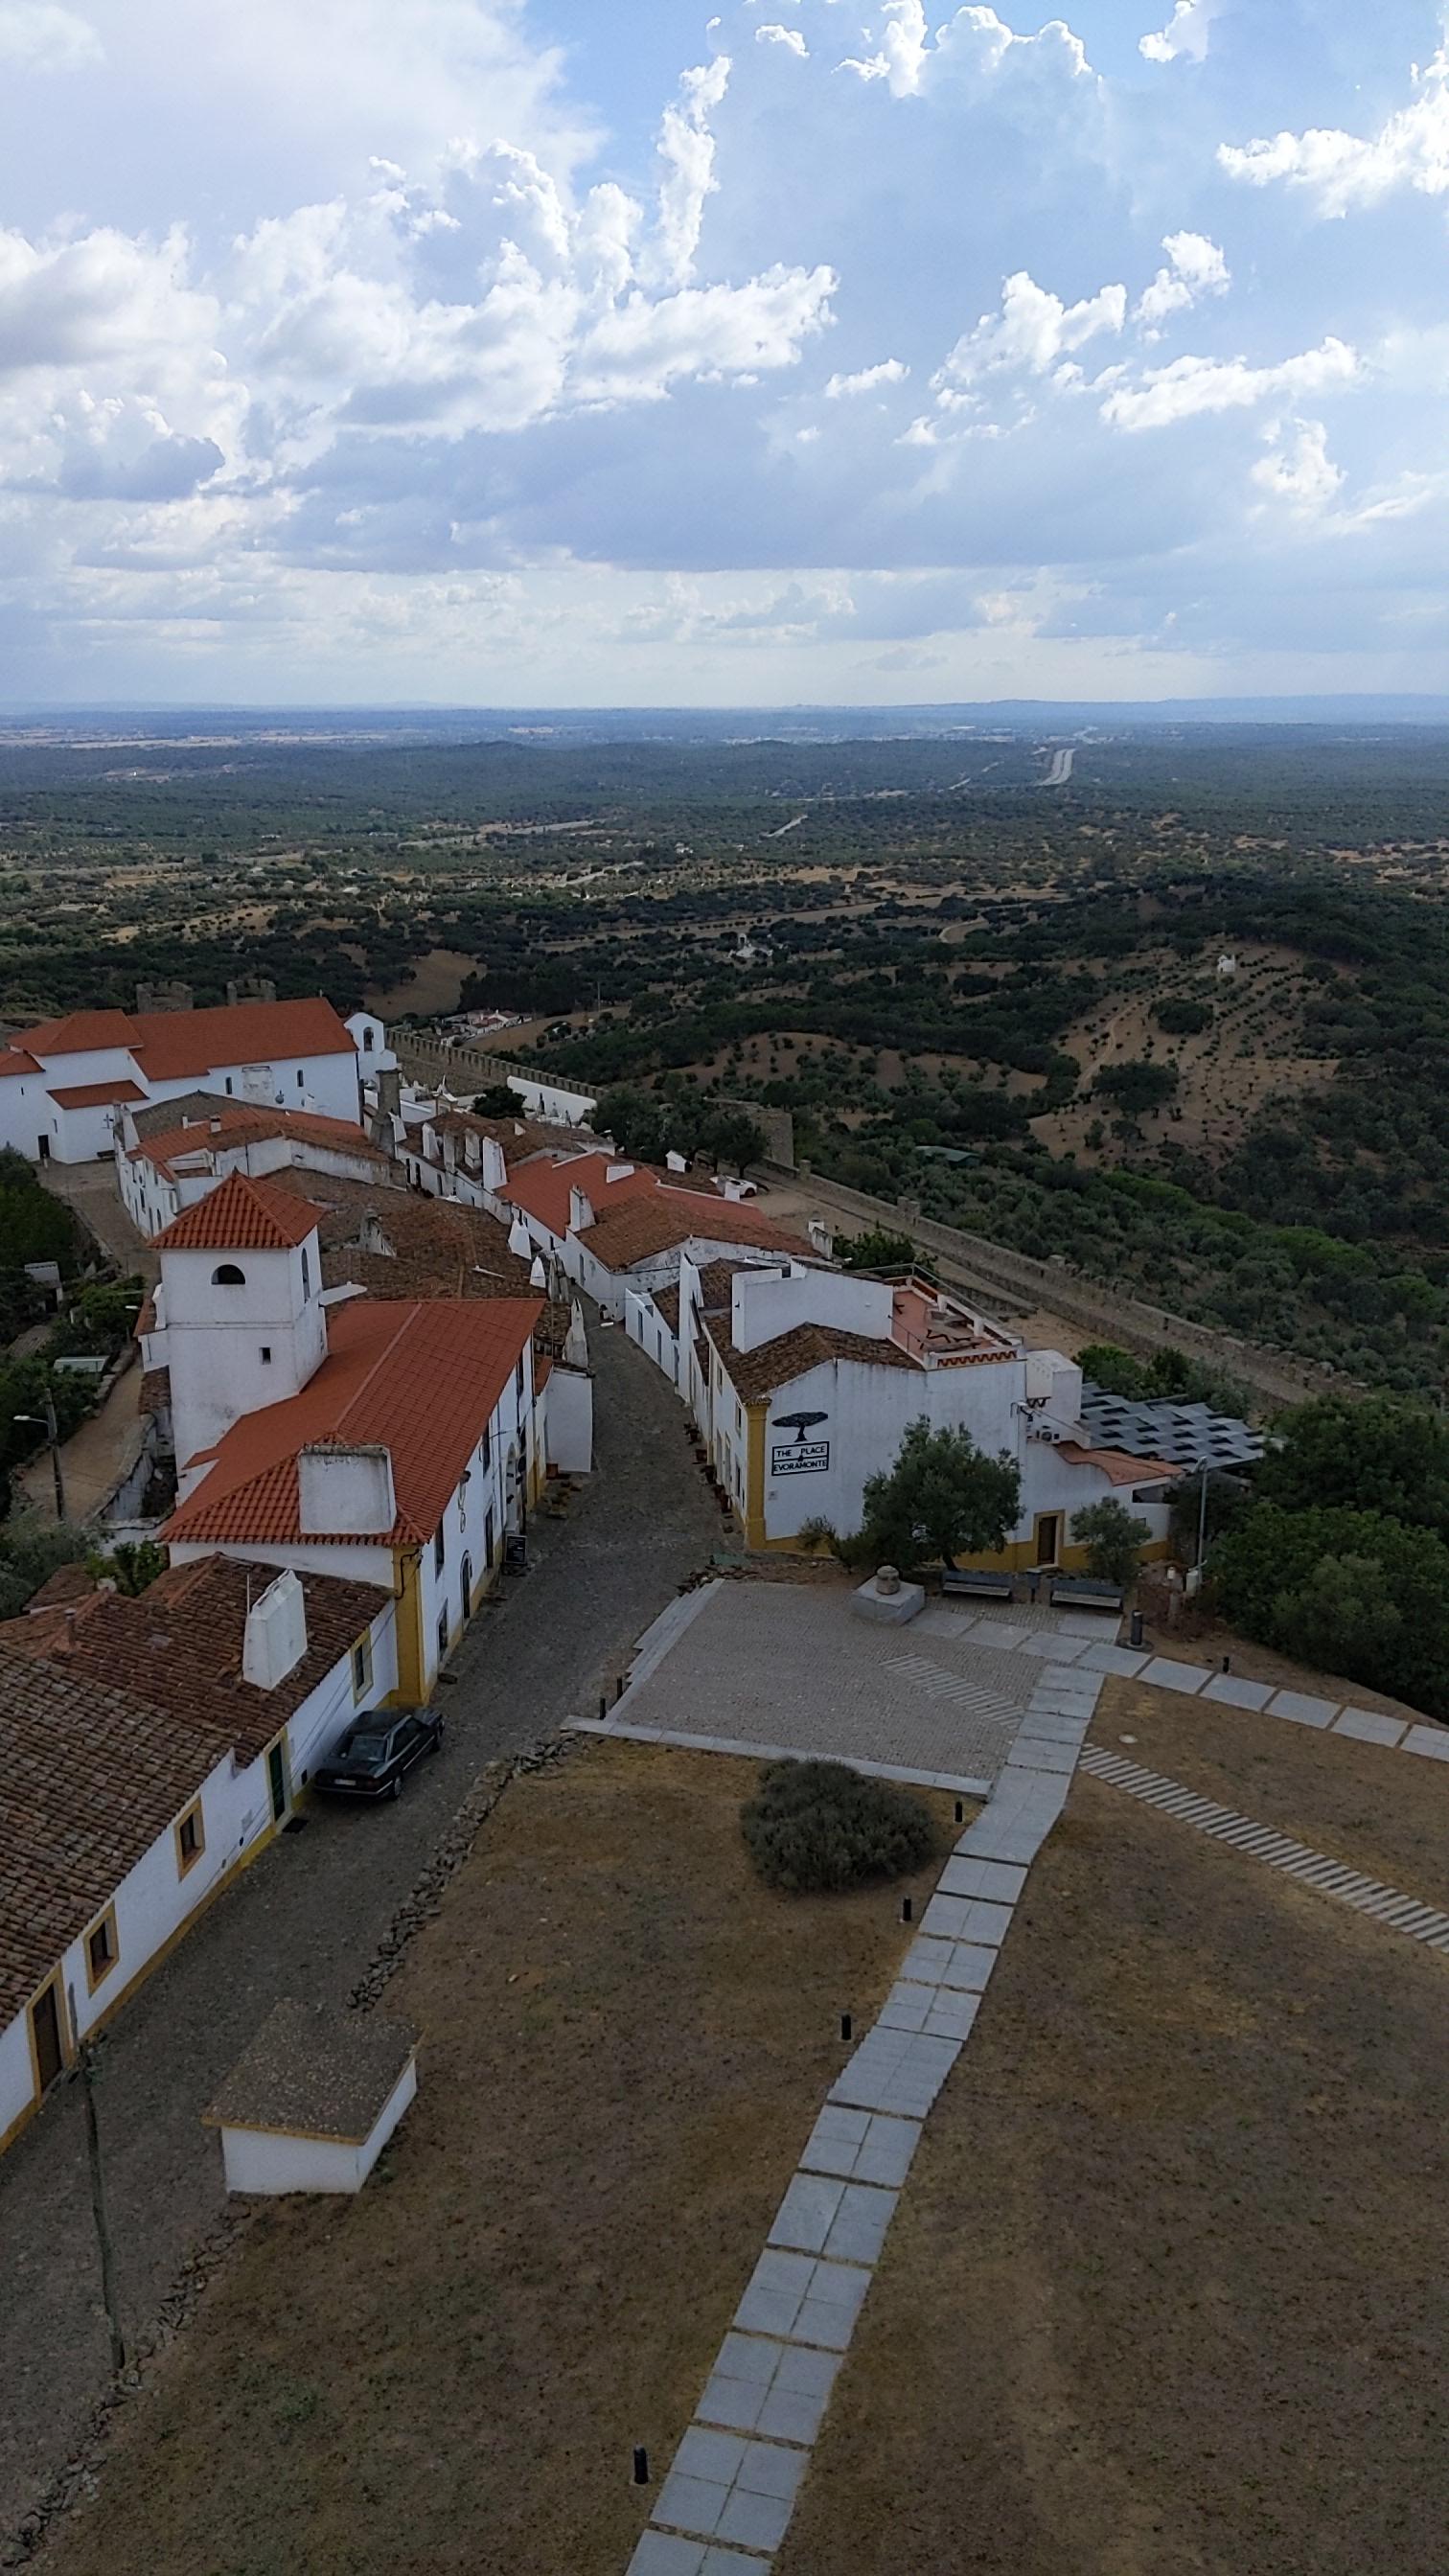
[[816, 1827]]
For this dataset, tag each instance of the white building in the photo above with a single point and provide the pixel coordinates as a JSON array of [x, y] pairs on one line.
[[804, 1382], [386, 1441], [616, 1227], [171, 1153], [64, 1084], [151, 1749]]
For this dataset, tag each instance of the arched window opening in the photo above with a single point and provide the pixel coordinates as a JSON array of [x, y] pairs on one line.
[[228, 1275]]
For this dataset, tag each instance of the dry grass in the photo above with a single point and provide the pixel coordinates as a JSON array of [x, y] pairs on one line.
[[1165, 2293], [624, 2042]]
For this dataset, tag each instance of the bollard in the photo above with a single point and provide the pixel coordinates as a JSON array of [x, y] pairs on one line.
[[846, 2025], [603, 1704], [641, 2465], [906, 1909], [1136, 1627], [1227, 1663], [960, 1811]]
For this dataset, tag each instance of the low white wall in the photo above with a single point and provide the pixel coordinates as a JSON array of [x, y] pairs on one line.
[[569, 1405], [547, 1100], [17, 2082]]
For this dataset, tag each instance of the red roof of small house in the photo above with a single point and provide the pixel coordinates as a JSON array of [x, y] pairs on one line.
[[237, 1122], [421, 1381], [239, 1215], [14, 1061], [544, 1188], [97, 1095], [669, 1218]]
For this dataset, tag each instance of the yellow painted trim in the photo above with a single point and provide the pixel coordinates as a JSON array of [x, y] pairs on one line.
[[1016, 1558], [411, 1661], [755, 1475], [363, 1645]]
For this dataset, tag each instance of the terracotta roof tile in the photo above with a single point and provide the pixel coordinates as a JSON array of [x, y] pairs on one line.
[[239, 1215], [172, 1044], [223, 1125], [672, 1217], [14, 1061], [421, 1246], [421, 1380], [757, 1373], [1116, 1465], [543, 1187], [97, 1095]]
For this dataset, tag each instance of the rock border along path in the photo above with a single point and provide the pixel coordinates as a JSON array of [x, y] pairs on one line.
[[1387, 1905], [725, 2503]]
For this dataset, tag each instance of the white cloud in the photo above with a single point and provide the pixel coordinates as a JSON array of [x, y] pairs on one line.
[[1410, 150], [686, 148], [1195, 267], [1033, 330], [39, 36], [891, 371], [635, 352], [789, 36], [974, 41], [1192, 386], [1299, 471], [1185, 34]]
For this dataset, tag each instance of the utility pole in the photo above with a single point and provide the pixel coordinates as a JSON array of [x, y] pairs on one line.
[[47, 1423], [85, 2067]]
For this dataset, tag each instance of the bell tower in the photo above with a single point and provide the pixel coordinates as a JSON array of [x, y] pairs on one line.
[[240, 1308]]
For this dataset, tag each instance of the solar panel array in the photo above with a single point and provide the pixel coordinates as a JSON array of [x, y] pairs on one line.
[[1187, 1435]]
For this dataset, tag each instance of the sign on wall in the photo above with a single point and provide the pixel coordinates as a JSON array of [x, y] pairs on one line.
[[800, 1456]]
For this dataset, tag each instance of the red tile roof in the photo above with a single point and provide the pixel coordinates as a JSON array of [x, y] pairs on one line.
[[15, 1061], [239, 1215], [96, 1095], [671, 1217], [771, 1365], [1116, 1465], [543, 1188], [238, 1123], [420, 1380], [172, 1044]]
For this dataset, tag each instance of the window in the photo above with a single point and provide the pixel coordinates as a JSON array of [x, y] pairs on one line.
[[440, 1548], [266, 1355], [488, 1534], [227, 1274], [102, 1948], [367, 1041], [306, 1274], [486, 1452], [228, 1082], [362, 1667], [442, 1636], [518, 1381], [299, 1077], [190, 1832]]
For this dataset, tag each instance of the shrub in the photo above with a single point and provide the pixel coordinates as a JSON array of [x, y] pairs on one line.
[[1182, 1019], [1114, 1541], [817, 1827]]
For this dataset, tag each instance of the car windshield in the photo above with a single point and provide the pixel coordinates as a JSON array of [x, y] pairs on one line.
[[368, 1747]]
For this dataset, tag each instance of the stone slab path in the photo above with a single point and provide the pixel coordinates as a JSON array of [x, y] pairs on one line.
[[725, 2504], [1386, 1905]]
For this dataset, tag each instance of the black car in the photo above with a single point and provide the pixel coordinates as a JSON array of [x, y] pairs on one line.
[[375, 1755]]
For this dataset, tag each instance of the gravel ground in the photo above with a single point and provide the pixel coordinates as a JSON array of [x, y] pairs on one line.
[[1165, 2295], [307, 1918]]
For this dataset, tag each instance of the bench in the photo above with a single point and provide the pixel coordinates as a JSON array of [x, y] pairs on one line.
[[971, 1585], [1086, 1592]]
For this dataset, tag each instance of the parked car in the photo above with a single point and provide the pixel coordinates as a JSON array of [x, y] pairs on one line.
[[374, 1757]]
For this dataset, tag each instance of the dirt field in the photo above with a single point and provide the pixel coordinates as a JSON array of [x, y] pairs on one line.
[[1165, 2295], [624, 2043]]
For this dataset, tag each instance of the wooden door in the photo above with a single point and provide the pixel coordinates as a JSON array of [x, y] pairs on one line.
[[1046, 1538], [45, 2028]]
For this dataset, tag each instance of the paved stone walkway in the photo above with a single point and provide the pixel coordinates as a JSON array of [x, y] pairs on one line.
[[1370, 1896], [307, 1918], [725, 2504]]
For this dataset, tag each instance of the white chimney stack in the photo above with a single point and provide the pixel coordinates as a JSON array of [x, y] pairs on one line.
[[275, 1639], [520, 1241], [537, 1275], [581, 1210], [674, 1162]]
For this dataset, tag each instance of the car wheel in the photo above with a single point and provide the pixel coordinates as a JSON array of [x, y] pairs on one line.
[[394, 1787], [437, 1743]]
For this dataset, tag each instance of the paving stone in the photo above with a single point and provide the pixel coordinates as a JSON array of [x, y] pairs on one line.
[[662, 2553], [994, 1838], [1055, 1650], [859, 2228], [1302, 1708], [966, 1918], [1233, 1693], [896, 2071], [691, 2504], [1163, 1674], [1038, 1753], [800, 2300], [714, 2456], [1124, 1660], [1051, 1726], [1098, 1624], [1430, 1740], [760, 2385], [1370, 1725], [754, 2521], [965, 1875], [804, 2216], [732, 2562], [874, 2149], [964, 1964], [944, 2012]]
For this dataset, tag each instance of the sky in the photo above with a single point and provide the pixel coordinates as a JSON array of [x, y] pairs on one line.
[[548, 352]]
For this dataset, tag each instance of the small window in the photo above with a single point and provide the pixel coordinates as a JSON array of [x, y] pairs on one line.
[[228, 1082], [190, 1839], [306, 1274], [442, 1636], [440, 1548], [367, 1041], [102, 1949], [486, 1452], [361, 1667], [228, 1274], [518, 1381], [299, 1077], [266, 1355]]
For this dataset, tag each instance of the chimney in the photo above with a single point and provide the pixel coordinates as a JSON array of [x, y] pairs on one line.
[[520, 1241], [345, 1490], [617, 1172], [372, 1238], [674, 1162], [275, 1638], [493, 1164], [581, 1210], [537, 1275]]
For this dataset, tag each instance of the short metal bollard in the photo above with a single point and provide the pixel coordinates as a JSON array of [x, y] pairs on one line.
[[641, 2465], [1136, 1627], [960, 1811], [846, 2025], [1227, 1663], [907, 1908]]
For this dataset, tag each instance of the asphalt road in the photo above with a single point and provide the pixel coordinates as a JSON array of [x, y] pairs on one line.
[[307, 1918]]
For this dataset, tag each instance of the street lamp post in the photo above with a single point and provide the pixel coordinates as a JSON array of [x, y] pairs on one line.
[[47, 1423]]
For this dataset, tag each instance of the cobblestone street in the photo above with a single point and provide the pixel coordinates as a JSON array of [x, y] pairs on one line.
[[307, 1919]]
